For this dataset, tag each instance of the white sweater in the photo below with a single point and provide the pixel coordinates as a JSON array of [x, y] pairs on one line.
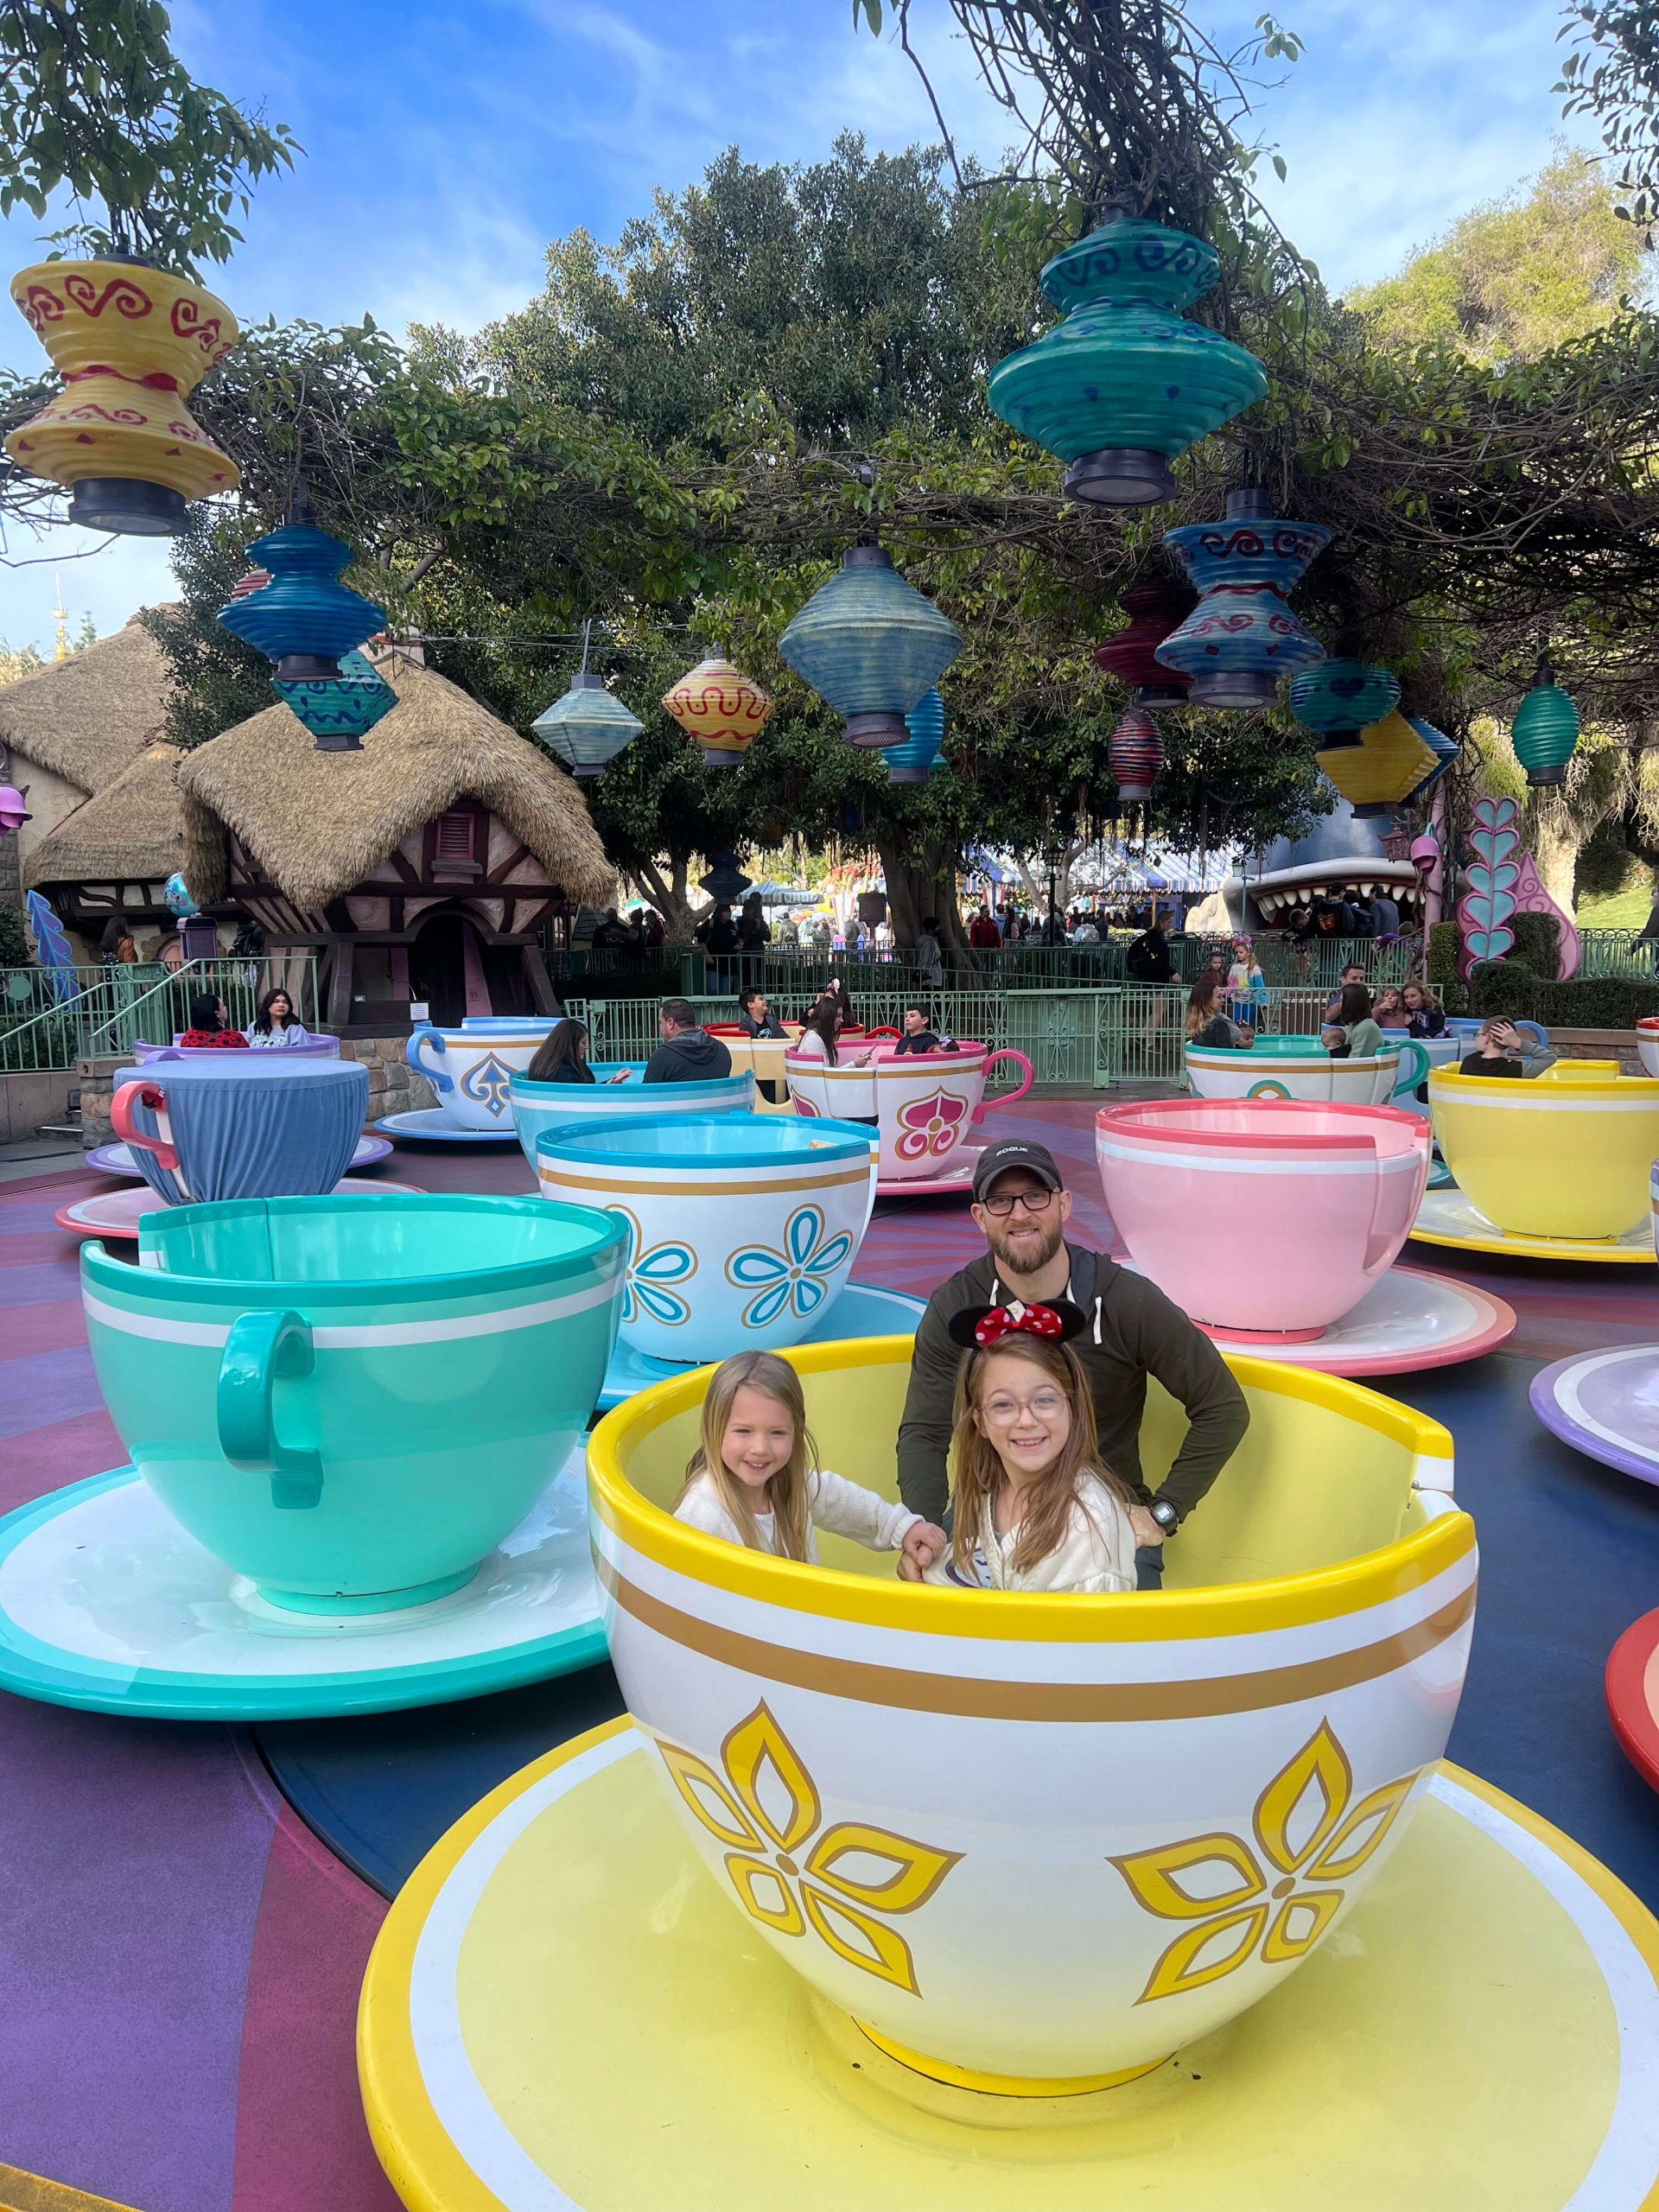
[[1097, 1553], [844, 1508]]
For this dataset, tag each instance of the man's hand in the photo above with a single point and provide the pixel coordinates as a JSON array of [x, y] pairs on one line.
[[921, 1543], [1148, 1533]]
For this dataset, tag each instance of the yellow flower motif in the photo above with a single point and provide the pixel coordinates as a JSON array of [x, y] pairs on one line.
[[787, 1874], [1231, 1914]]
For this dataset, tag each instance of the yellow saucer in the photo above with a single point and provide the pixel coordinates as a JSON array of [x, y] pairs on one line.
[[563, 2010], [1447, 1217]]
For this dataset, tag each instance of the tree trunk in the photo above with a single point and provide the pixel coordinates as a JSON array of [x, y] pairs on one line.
[[1553, 838], [921, 884], [668, 897]]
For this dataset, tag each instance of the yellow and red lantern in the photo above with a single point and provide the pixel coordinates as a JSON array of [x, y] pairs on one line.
[[130, 343], [719, 707]]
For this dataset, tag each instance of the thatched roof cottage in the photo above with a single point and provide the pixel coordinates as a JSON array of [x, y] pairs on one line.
[[421, 869]]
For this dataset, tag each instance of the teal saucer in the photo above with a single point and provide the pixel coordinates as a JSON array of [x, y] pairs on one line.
[[106, 1604], [861, 1311]]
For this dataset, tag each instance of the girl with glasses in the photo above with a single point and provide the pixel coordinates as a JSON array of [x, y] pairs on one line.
[[1036, 1507]]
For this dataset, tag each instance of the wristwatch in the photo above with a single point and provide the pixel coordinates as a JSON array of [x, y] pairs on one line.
[[1165, 1515]]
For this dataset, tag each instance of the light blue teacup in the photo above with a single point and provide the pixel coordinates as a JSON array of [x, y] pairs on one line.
[[470, 1068], [226, 1124], [352, 1400], [538, 1108]]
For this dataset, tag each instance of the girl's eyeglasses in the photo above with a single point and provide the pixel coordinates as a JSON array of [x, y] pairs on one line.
[[1032, 1201], [1042, 1405]]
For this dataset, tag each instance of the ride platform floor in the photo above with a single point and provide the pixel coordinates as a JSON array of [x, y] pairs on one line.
[[188, 1910]]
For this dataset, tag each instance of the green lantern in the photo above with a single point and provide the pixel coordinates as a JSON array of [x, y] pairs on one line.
[[1544, 733], [1124, 384]]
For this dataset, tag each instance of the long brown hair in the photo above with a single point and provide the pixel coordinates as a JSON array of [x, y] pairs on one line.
[[786, 1492], [1201, 1000], [564, 1046], [825, 1020], [979, 1468]]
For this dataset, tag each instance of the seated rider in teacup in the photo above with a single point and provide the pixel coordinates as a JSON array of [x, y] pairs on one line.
[[919, 1034], [1131, 1331], [688, 1053]]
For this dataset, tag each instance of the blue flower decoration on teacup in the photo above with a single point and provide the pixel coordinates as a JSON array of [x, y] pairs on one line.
[[800, 1276], [488, 1084], [647, 1286]]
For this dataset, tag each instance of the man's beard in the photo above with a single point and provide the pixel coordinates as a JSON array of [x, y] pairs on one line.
[[1034, 1259]]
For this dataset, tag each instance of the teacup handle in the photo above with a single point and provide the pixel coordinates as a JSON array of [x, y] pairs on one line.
[[1007, 1053], [261, 1349], [1419, 1065], [152, 1096], [439, 1079]]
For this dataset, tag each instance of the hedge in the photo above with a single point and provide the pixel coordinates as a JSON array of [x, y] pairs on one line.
[[1586, 1002]]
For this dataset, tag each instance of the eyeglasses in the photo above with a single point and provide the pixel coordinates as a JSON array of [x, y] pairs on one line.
[[1032, 1201], [1042, 1405]]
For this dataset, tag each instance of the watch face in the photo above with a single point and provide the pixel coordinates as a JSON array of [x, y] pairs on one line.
[[1166, 1517]]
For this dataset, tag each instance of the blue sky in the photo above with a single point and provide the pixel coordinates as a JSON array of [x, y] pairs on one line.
[[447, 140]]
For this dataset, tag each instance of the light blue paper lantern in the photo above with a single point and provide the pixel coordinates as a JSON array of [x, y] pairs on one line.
[[870, 644], [588, 727], [339, 709], [914, 761]]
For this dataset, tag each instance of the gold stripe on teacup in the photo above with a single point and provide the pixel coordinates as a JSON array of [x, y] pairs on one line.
[[814, 1180], [971, 1698]]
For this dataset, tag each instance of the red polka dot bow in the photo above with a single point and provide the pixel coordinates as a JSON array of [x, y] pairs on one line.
[[1004, 1320]]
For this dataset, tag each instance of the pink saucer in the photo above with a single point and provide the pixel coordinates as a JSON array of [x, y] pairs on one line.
[[118, 1213], [1410, 1318], [1632, 1684], [955, 1179]]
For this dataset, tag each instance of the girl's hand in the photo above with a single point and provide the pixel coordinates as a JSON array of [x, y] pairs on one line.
[[921, 1544]]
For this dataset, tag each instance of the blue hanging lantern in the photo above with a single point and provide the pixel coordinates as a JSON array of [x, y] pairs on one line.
[[303, 618], [725, 882], [338, 710], [914, 761], [1343, 697], [870, 644], [1124, 384], [1445, 750], [1242, 637], [588, 727]]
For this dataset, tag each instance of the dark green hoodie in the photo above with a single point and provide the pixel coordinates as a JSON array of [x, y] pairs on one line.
[[1133, 1331]]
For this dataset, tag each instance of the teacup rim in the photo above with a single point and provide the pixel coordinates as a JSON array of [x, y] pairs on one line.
[[1369, 1579], [607, 1233], [1143, 1120], [830, 1140], [1448, 1082], [522, 1086]]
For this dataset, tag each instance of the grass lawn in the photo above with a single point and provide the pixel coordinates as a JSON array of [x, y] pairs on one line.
[[1625, 910]]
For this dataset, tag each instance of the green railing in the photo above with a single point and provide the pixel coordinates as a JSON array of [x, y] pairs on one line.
[[109, 1009], [1089, 1039], [1619, 952]]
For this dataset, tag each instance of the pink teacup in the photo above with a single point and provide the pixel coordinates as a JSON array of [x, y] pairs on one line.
[[1267, 1218], [925, 1103]]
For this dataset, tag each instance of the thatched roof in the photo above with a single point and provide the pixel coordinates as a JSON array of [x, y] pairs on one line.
[[86, 717], [318, 821], [131, 832]]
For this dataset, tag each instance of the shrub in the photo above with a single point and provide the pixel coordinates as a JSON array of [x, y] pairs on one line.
[[1538, 943], [1443, 967], [14, 942], [1586, 1003]]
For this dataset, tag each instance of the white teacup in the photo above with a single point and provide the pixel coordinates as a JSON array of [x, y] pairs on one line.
[[471, 1068], [1036, 1844], [924, 1104]]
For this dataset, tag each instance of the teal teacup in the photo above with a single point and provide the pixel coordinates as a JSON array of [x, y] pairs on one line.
[[352, 1400]]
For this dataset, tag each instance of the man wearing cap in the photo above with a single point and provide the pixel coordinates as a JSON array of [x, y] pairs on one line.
[[1021, 1205]]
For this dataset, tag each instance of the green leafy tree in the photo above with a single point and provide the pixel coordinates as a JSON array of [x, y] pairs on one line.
[[94, 102]]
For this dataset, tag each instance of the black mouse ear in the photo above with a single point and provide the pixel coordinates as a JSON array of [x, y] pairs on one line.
[[964, 1326], [1072, 1319]]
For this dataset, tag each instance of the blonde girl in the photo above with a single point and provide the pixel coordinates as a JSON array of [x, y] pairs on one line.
[[753, 1478], [1036, 1507]]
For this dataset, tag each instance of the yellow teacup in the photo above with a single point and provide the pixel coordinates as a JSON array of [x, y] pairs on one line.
[[1567, 1155], [1035, 1844]]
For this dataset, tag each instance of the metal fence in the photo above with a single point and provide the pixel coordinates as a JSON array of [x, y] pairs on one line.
[[1619, 952], [53, 1018]]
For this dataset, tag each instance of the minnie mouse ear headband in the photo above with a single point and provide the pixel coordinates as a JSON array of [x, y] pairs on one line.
[[978, 1327]]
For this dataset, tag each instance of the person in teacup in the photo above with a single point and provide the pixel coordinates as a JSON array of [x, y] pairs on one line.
[[920, 1035], [1037, 1508], [754, 1478], [1021, 1206]]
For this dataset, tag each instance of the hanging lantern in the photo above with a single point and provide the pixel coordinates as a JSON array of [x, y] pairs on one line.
[[130, 342], [1124, 384], [1155, 608], [1376, 774], [588, 727], [870, 644], [1545, 732], [339, 709], [725, 882], [1242, 637], [13, 811], [1445, 750], [719, 706], [1134, 754], [1341, 697], [914, 761]]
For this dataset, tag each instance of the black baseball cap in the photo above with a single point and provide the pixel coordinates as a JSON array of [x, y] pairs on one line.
[[1016, 1152]]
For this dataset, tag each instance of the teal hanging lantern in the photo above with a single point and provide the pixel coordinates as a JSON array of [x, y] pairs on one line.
[[1341, 698], [1545, 732], [914, 761], [1124, 384], [338, 710], [588, 727], [870, 644]]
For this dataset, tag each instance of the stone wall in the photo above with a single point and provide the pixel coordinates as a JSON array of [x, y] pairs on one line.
[[394, 1087], [28, 1099]]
